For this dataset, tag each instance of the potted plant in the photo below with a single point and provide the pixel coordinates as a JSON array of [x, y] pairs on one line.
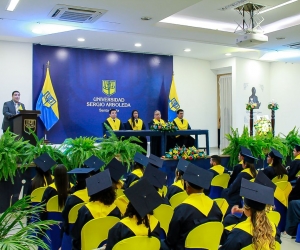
[[11, 153], [290, 140], [122, 148], [25, 236]]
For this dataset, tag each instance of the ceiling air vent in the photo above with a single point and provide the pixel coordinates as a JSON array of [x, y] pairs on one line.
[[293, 45], [75, 14]]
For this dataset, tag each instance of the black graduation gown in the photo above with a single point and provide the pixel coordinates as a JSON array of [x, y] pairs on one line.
[[232, 194], [236, 170], [295, 193], [218, 169], [155, 143], [133, 176], [175, 188], [128, 227], [77, 197], [241, 236], [96, 210], [294, 169], [187, 216], [293, 217], [186, 140], [270, 172], [121, 127], [143, 139]]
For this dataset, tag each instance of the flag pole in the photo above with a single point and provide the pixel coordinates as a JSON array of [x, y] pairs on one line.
[[45, 130]]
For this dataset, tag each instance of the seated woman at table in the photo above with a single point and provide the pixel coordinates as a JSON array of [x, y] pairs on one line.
[[275, 167], [135, 123]]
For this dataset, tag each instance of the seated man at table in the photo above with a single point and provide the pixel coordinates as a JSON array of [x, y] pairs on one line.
[[182, 124], [113, 122]]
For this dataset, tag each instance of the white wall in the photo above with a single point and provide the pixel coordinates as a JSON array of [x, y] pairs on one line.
[[196, 86], [15, 72], [284, 89]]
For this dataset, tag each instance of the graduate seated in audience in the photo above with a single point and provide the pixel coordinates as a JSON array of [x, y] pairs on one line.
[[80, 194], [232, 193], [157, 179], [117, 170], [197, 209], [216, 167], [138, 219], [293, 212], [135, 123], [43, 177], [102, 196], [140, 161], [295, 164], [257, 230], [113, 122], [237, 214], [275, 167], [155, 144], [178, 185], [182, 124], [239, 167]]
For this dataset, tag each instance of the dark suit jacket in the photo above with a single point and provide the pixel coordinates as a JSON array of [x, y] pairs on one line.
[[9, 111]]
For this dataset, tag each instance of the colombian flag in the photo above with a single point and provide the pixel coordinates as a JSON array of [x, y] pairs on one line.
[[173, 102], [47, 103]]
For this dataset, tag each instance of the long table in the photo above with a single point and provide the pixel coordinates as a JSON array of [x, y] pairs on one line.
[[164, 135]]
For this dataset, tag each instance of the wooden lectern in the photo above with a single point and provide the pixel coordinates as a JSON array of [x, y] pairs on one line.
[[25, 120]]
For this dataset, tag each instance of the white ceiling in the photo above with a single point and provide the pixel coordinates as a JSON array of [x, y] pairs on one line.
[[121, 27]]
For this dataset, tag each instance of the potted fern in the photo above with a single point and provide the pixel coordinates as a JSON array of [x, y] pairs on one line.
[[122, 148], [25, 236], [290, 140]]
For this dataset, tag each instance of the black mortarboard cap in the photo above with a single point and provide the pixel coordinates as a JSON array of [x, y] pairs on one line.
[[44, 162], [156, 177], [141, 159], [182, 165], [143, 197], [262, 179], [94, 162], [297, 147], [116, 169], [276, 153], [249, 158], [245, 151], [198, 176], [81, 173], [98, 182], [256, 195], [156, 161]]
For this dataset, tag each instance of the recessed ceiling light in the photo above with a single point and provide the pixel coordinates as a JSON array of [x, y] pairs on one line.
[[187, 50], [278, 6], [228, 54], [137, 45], [80, 39], [12, 5], [146, 18]]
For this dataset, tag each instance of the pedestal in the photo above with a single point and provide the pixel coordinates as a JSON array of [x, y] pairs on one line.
[[273, 122], [251, 122]]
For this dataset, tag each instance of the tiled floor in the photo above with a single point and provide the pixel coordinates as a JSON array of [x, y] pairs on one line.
[[288, 243]]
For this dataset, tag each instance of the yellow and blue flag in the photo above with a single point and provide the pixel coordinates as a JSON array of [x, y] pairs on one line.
[[47, 103], [173, 105]]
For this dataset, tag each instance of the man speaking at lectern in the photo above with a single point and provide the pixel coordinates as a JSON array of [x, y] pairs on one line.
[[10, 109]]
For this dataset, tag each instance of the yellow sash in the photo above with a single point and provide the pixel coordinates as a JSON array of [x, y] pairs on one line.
[[137, 126], [98, 209], [180, 125], [139, 173], [179, 184], [120, 184], [241, 162], [115, 125], [297, 157], [161, 121], [200, 201], [139, 230], [218, 168], [82, 194], [53, 186], [247, 170]]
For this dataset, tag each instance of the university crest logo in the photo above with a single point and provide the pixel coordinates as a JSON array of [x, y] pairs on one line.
[[48, 99], [109, 87], [174, 105], [29, 124]]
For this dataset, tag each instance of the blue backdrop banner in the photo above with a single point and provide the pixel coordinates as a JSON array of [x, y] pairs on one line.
[[89, 82]]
